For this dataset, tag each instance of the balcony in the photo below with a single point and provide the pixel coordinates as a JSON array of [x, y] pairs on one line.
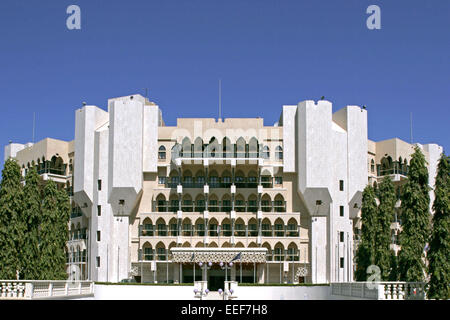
[[219, 206], [78, 235], [218, 183], [75, 213], [219, 154]]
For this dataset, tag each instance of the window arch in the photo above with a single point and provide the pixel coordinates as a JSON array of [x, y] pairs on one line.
[[279, 153], [198, 148], [279, 252], [292, 228], [186, 147], [240, 148], [279, 204], [292, 252], [372, 166], [226, 227], [279, 228], [161, 203], [253, 148], [162, 153], [161, 251], [147, 252], [147, 227], [252, 227], [266, 203]]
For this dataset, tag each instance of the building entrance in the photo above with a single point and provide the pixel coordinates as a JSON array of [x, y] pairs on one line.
[[216, 278]]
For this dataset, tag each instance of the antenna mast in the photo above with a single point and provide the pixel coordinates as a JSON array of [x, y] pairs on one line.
[[34, 125], [220, 99]]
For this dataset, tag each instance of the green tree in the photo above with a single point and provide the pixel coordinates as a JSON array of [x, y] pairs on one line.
[[416, 220], [365, 255], [439, 252], [49, 241], [11, 226], [31, 218], [63, 205], [385, 214]]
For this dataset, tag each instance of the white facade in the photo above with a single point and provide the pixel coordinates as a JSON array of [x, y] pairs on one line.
[[316, 164]]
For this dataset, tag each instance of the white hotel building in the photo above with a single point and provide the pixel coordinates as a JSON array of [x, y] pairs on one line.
[[151, 201]]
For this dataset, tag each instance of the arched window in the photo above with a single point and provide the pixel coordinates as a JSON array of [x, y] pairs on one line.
[[226, 227], [372, 166], [200, 203], [252, 227], [279, 228], [266, 203], [198, 148], [239, 228], [200, 227], [292, 252], [279, 204], [213, 203], [161, 227], [292, 228], [188, 182], [279, 252], [279, 153], [226, 203], [147, 227], [266, 228], [187, 227], [252, 203], [269, 251], [161, 203], [162, 153], [252, 179], [173, 227], [186, 147], [161, 251], [253, 148], [226, 179], [240, 148], [148, 252], [186, 205], [239, 203]]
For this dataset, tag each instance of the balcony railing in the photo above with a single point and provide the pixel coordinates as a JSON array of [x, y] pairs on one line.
[[75, 213], [287, 256], [79, 235], [219, 206], [216, 184], [396, 168], [52, 171], [222, 231], [221, 154]]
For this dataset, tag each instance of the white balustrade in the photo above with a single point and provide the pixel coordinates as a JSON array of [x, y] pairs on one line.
[[380, 290], [42, 289]]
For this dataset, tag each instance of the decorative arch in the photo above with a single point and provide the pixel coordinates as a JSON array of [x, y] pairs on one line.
[[279, 153], [279, 252], [186, 147], [240, 147], [266, 203], [279, 204], [162, 152]]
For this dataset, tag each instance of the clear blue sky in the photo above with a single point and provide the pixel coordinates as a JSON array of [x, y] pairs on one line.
[[267, 53]]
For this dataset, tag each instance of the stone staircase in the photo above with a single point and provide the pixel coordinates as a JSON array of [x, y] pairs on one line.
[[213, 295]]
